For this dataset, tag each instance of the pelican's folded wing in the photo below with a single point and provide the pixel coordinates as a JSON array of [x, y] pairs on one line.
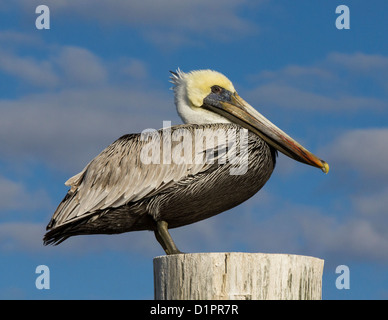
[[124, 172]]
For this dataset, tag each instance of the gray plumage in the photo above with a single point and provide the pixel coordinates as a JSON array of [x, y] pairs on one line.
[[180, 175], [117, 192]]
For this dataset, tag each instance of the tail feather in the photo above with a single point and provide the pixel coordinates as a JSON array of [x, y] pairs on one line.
[[59, 234], [53, 237]]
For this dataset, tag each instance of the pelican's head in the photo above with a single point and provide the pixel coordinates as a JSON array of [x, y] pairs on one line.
[[190, 91], [207, 96]]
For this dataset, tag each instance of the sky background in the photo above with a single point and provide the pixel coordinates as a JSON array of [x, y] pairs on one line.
[[101, 71]]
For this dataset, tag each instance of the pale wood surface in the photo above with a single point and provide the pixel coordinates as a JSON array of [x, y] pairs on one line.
[[237, 276]]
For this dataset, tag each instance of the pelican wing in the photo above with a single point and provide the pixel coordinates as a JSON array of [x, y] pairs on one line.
[[128, 170]]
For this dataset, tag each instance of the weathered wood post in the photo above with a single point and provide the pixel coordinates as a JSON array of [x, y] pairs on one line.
[[237, 276]]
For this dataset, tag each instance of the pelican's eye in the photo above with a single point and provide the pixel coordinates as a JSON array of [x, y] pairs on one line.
[[216, 89]]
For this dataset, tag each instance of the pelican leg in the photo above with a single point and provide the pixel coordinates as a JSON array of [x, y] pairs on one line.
[[164, 238], [160, 240]]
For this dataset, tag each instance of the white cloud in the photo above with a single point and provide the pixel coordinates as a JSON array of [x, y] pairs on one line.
[[374, 205], [15, 196], [312, 231], [285, 96], [271, 225], [174, 20], [290, 97], [66, 129], [65, 66], [28, 237], [363, 150], [281, 227], [328, 69], [324, 86], [80, 67], [12, 38], [91, 103], [23, 236], [134, 68], [294, 72], [354, 238], [359, 62], [199, 15], [360, 175], [35, 72], [362, 67]]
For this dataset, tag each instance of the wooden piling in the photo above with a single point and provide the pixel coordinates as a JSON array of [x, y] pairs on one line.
[[237, 276]]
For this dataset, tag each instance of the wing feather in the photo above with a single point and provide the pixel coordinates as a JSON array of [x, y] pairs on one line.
[[117, 176]]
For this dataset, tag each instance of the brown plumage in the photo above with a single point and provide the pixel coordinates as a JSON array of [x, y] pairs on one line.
[[223, 155], [117, 193]]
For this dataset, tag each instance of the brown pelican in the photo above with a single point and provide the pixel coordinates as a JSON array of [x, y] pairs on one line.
[[135, 184]]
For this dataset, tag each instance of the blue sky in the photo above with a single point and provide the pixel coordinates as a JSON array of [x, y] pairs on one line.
[[101, 71]]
